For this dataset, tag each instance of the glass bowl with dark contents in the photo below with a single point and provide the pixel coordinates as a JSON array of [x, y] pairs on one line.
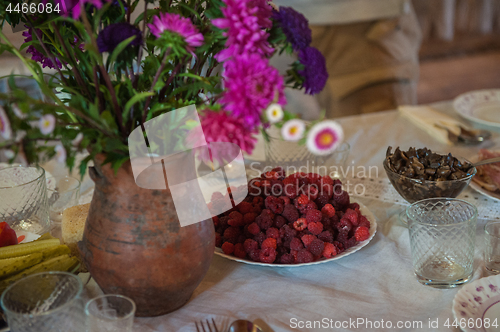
[[418, 174]]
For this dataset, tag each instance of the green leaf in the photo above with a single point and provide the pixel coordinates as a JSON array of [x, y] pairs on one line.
[[134, 100], [83, 166], [118, 50]]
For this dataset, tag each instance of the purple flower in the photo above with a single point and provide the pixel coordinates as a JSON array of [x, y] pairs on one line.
[[114, 34], [245, 21], [251, 86], [314, 73], [35, 54], [74, 8], [295, 27], [178, 24]]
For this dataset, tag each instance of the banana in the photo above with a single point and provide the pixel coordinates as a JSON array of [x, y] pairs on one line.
[[59, 263]]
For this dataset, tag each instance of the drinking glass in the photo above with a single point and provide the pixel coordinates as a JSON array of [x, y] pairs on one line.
[[492, 250], [294, 157], [442, 235], [23, 199], [45, 302], [64, 194], [110, 313]]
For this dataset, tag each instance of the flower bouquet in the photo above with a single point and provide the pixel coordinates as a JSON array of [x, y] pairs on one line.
[[120, 63]]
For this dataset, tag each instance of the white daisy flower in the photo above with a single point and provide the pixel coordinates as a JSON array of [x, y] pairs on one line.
[[274, 113], [325, 137], [293, 130], [60, 153], [47, 123], [5, 129]]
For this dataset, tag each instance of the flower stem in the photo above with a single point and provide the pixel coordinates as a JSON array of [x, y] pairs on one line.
[[155, 80]]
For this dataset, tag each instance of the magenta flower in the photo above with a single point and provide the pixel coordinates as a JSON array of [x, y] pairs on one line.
[[245, 21], [178, 24], [251, 86], [74, 8], [35, 54]]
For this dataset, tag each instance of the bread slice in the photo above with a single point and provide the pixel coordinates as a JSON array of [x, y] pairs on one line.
[[72, 226]]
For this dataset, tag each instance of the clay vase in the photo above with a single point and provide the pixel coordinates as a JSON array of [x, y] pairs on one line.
[[134, 245]]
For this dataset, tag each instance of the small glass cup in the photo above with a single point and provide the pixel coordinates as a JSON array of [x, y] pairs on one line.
[[442, 236], [43, 302], [492, 246], [293, 157], [64, 193], [23, 199], [110, 313]]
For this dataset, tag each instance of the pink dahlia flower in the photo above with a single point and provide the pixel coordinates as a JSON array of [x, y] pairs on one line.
[[251, 85], [178, 24], [245, 21]]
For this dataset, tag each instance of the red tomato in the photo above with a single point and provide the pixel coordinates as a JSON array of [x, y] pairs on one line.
[[7, 235]]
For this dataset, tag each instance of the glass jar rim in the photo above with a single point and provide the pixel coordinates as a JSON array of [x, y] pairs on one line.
[[472, 217], [26, 183]]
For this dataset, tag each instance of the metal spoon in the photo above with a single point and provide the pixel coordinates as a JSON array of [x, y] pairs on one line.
[[487, 161], [243, 325], [467, 136]]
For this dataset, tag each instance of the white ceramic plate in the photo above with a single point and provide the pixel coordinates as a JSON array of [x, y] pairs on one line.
[[476, 302], [373, 229], [481, 107], [481, 190]]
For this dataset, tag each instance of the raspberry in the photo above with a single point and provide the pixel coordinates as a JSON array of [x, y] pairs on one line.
[[250, 245], [285, 199], [216, 221], [315, 227], [231, 234], [290, 191], [223, 221], [339, 246], [316, 247], [260, 238], [273, 232], [329, 251], [345, 225], [341, 199], [322, 200], [257, 209], [276, 188], [269, 243], [271, 175], [304, 256], [342, 237], [327, 190], [313, 216], [361, 233], [265, 219], [327, 179], [301, 201], [290, 213], [279, 170], [279, 222], [235, 219], [363, 222], [300, 224], [296, 244], [352, 216], [328, 210], [249, 218], [354, 206], [287, 232], [218, 240], [309, 206], [258, 201], [274, 204], [267, 255], [307, 239], [287, 259], [245, 207], [312, 192], [351, 242], [294, 254], [228, 248], [326, 236], [254, 255], [239, 251], [253, 228]]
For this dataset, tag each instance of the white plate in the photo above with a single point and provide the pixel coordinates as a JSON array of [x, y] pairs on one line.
[[476, 302], [373, 229], [481, 107], [479, 189]]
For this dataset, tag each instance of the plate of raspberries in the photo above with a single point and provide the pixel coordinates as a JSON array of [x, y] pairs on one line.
[[296, 220]]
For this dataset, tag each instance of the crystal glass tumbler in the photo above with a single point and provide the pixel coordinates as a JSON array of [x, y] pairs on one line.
[[45, 302], [492, 246], [294, 157], [23, 199], [110, 313], [442, 236]]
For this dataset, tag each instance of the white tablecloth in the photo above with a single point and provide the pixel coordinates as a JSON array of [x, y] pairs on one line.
[[374, 284]]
